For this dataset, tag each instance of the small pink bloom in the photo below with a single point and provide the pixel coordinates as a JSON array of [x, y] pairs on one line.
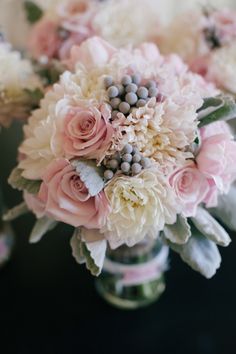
[[87, 132], [191, 188], [93, 52], [217, 156], [65, 198], [72, 40], [225, 23], [44, 39]]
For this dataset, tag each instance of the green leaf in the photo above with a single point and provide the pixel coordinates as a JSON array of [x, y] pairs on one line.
[[41, 227], [226, 208], [210, 228], [22, 184], [15, 212], [200, 253], [226, 110], [179, 232], [91, 175], [35, 96], [33, 11], [90, 253], [211, 102]]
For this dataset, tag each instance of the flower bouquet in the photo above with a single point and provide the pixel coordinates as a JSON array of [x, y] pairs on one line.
[[129, 149]]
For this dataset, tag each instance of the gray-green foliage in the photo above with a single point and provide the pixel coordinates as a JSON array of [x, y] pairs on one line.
[[17, 181], [217, 108]]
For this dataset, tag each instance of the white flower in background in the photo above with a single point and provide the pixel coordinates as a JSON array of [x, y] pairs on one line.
[[140, 206], [16, 76], [222, 66], [184, 37], [127, 21]]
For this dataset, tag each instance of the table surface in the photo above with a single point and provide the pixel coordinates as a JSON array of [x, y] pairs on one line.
[[50, 306]]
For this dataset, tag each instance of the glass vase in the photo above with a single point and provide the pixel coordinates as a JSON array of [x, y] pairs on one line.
[[6, 236], [6, 242], [133, 277]]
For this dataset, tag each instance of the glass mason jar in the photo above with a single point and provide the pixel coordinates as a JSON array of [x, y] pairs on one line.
[[6, 242], [6, 236], [133, 277]]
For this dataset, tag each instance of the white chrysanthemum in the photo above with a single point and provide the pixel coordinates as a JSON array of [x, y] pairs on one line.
[[222, 66], [140, 205], [16, 76], [127, 21]]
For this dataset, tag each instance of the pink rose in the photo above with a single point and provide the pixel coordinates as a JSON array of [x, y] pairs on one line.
[[217, 156], [65, 198], [93, 52], [44, 39], [87, 132], [191, 188]]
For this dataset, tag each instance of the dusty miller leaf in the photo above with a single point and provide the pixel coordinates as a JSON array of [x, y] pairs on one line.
[[41, 227], [90, 253], [200, 253], [91, 175], [179, 232], [210, 228], [226, 208], [225, 110], [15, 212], [22, 184]]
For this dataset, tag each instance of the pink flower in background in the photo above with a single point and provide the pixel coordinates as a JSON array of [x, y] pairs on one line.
[[66, 198], [44, 39], [225, 23], [217, 157], [87, 132], [94, 52], [191, 188], [72, 40]]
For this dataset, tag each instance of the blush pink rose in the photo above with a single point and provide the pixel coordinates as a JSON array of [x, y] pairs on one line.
[[87, 132], [44, 39], [217, 156], [191, 188], [64, 197], [92, 52]]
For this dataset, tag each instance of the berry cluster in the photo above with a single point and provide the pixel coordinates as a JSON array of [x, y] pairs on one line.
[[129, 94], [129, 161]]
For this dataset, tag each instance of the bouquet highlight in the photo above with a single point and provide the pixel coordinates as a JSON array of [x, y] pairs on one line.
[[127, 146]]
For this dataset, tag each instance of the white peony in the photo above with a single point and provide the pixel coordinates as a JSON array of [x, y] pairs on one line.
[[140, 205]]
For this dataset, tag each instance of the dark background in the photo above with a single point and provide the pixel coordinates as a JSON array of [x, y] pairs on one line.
[[49, 304]]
